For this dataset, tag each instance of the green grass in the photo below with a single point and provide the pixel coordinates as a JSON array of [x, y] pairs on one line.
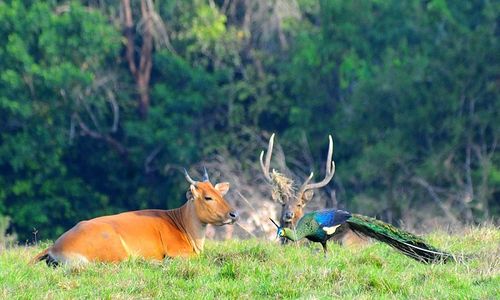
[[255, 269]]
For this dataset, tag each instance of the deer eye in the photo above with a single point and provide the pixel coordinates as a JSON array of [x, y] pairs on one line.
[[208, 198]]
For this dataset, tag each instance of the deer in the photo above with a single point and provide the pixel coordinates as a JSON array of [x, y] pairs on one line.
[[293, 200], [151, 234]]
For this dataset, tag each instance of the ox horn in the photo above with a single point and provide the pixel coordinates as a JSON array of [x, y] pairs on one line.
[[205, 174], [188, 178]]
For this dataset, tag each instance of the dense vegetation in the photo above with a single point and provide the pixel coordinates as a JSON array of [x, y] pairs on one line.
[[256, 269], [103, 101]]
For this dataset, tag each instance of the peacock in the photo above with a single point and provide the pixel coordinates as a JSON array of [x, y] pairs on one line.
[[320, 226]]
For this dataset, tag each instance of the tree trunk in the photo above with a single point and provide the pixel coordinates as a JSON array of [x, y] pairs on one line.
[[141, 73]]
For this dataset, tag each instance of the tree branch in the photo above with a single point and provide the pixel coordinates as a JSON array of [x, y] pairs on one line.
[[122, 150], [129, 34], [430, 189]]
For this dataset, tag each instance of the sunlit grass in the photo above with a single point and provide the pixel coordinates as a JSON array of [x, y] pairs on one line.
[[254, 269]]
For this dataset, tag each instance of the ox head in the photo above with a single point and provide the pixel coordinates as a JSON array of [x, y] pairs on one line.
[[293, 200], [209, 202]]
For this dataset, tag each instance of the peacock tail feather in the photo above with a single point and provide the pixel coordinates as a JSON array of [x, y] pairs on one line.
[[407, 243]]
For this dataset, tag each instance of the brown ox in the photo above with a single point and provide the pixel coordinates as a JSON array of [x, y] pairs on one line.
[[150, 234]]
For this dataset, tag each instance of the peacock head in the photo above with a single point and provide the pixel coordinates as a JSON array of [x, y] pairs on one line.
[[283, 232]]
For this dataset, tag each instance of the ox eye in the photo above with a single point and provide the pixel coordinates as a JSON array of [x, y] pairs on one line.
[[208, 198]]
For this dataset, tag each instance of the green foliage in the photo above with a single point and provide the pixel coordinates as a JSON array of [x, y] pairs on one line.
[[407, 88], [47, 60], [257, 269]]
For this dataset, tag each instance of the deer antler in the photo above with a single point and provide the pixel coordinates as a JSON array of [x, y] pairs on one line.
[[265, 166], [330, 171]]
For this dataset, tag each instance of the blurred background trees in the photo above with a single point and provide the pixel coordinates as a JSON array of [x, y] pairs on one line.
[[102, 102]]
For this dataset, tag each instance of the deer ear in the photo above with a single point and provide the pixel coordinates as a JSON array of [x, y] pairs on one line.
[[194, 192], [308, 195], [189, 195], [222, 187]]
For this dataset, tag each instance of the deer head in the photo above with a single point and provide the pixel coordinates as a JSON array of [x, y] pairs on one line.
[[284, 190]]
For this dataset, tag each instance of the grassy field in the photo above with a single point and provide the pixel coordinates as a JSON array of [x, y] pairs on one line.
[[255, 269]]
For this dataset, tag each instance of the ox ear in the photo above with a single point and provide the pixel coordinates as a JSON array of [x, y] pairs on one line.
[[189, 195], [194, 191], [222, 187]]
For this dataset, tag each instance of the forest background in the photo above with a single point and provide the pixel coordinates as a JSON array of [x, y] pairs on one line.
[[103, 102]]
